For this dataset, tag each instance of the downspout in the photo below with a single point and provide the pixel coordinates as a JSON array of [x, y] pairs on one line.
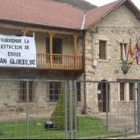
[[84, 21], [84, 111], [91, 33]]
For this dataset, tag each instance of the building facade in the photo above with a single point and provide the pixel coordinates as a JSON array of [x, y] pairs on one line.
[[79, 45], [110, 33]]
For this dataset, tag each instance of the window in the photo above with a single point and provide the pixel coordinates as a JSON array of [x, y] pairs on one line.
[[102, 49], [78, 86], [54, 91], [122, 91], [23, 91], [131, 89], [57, 49], [121, 48]]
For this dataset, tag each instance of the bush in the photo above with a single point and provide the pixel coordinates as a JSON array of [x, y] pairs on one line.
[[58, 115]]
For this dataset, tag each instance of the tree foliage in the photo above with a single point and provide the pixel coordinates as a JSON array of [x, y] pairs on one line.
[[79, 3], [58, 115]]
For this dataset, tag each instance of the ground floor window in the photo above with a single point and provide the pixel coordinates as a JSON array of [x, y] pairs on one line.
[[126, 90], [78, 86], [23, 92], [54, 91], [122, 91], [131, 91]]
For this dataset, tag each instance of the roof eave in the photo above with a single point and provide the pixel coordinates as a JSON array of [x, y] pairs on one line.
[[5, 21]]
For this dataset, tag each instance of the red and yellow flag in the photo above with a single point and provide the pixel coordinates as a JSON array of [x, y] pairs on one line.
[[130, 53], [137, 52]]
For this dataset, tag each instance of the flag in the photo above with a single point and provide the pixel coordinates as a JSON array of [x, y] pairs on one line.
[[137, 53], [130, 53]]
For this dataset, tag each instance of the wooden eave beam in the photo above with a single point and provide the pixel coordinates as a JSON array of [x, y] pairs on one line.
[[9, 26]]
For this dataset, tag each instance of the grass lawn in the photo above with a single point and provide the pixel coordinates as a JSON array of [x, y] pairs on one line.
[[87, 127]]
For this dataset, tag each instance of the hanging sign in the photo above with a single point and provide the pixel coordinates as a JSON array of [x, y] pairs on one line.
[[17, 51]]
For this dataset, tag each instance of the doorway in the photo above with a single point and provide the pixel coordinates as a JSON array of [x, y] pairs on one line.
[[103, 96]]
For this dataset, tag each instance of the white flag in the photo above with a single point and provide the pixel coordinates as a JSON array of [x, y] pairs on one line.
[[123, 53]]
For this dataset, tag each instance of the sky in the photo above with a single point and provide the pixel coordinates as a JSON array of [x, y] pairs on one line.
[[103, 2]]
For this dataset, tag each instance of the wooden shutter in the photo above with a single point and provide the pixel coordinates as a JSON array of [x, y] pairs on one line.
[[78, 86], [47, 45], [57, 49], [57, 46], [23, 95], [102, 49], [47, 49], [30, 91], [121, 91], [131, 88]]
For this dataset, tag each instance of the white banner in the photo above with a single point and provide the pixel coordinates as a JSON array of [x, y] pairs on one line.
[[17, 51]]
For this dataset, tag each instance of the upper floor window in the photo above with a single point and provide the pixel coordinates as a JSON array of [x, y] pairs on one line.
[[57, 46], [102, 49], [123, 50], [56, 49]]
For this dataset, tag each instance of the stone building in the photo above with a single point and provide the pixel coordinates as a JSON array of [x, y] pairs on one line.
[[111, 25], [71, 44]]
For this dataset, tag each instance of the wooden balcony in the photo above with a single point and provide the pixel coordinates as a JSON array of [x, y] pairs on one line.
[[59, 62]]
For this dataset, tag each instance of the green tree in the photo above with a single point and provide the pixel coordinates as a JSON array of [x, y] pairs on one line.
[[58, 115]]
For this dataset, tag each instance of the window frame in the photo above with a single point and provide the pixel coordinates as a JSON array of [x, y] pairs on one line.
[[122, 91], [54, 91], [78, 89], [102, 53], [23, 92], [57, 43], [131, 91]]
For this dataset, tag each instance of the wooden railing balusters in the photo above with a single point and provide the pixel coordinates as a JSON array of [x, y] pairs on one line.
[[59, 61]]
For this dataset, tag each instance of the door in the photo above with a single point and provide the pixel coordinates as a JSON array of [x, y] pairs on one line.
[[103, 93], [56, 50]]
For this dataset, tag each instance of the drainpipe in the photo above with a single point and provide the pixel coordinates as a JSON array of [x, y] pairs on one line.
[[84, 111], [91, 33], [84, 68]]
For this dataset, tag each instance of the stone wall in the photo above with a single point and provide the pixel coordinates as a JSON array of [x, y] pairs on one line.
[[114, 28], [41, 105]]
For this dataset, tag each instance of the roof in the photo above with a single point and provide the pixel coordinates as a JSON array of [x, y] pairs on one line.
[[41, 12], [54, 14], [95, 15]]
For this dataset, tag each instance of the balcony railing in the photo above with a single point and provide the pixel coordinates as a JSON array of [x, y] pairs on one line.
[[60, 62]]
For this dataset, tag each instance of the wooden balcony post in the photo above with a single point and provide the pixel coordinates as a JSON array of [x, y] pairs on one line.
[[51, 48], [75, 49]]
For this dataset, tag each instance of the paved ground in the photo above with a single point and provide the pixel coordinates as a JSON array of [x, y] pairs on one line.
[[118, 122], [127, 137]]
